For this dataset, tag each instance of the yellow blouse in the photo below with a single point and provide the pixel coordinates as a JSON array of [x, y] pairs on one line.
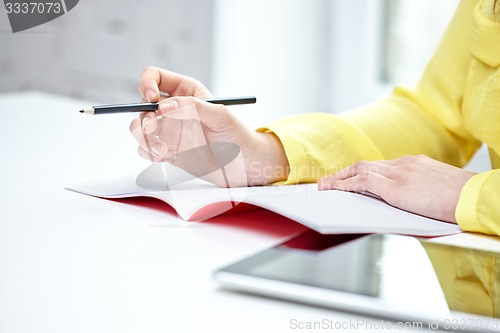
[[470, 279], [452, 110]]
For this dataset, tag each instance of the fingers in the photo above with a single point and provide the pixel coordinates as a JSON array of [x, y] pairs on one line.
[[364, 182], [155, 80], [361, 177], [160, 134], [377, 177], [149, 84], [148, 120], [151, 147], [179, 108], [417, 184], [369, 183], [147, 142], [152, 130], [379, 167]]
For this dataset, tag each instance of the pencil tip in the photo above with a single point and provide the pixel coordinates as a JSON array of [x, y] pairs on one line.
[[87, 111]]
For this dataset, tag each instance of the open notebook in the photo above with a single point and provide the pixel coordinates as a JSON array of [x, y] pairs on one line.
[[328, 212]]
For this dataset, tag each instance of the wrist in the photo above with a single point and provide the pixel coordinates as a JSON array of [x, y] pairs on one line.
[[267, 162]]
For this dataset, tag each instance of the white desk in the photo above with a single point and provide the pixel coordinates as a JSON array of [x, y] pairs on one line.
[[72, 263]]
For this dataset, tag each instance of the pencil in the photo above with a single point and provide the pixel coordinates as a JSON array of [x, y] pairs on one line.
[[140, 107]]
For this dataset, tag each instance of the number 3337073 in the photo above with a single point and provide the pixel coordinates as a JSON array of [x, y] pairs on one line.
[[33, 7]]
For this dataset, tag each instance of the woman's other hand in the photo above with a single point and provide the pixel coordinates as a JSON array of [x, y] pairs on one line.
[[417, 184]]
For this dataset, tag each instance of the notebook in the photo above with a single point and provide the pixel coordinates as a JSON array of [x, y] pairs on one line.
[[327, 212]]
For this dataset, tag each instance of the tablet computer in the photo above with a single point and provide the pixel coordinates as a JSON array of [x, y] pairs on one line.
[[386, 276]]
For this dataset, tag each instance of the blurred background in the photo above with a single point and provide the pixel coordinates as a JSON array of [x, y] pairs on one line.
[[295, 56]]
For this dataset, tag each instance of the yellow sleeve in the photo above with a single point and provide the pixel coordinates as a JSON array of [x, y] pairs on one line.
[[320, 144], [425, 120], [469, 278], [478, 209]]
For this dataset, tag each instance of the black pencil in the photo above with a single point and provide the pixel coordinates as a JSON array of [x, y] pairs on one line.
[[140, 107]]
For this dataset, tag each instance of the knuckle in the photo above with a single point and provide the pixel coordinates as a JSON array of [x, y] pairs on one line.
[[365, 176], [360, 166], [407, 160], [368, 179], [411, 162], [365, 166], [422, 157], [195, 82]]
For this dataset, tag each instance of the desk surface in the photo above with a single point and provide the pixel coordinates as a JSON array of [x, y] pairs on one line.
[[72, 263]]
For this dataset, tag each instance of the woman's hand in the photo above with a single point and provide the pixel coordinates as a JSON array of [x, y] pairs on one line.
[[201, 137], [417, 184]]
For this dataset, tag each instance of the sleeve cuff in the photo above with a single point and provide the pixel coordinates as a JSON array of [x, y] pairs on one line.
[[477, 208], [319, 144]]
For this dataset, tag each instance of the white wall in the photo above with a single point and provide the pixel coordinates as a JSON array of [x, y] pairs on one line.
[[296, 56], [97, 50], [356, 37], [273, 49], [414, 33], [321, 55], [299, 56]]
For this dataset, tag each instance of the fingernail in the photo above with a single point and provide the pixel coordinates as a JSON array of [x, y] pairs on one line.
[[157, 149], [150, 96], [145, 122], [169, 106]]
